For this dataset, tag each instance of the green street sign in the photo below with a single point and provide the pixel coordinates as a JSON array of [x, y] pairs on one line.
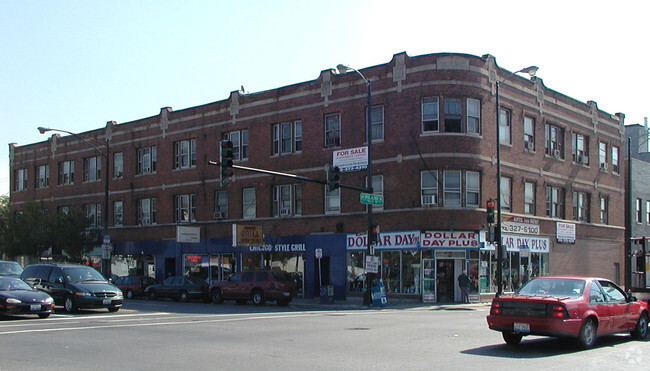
[[370, 199]]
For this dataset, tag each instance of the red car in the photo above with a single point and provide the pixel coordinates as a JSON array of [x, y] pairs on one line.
[[133, 285], [258, 286], [573, 307]]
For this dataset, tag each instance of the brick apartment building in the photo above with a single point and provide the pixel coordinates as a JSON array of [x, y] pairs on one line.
[[434, 160]]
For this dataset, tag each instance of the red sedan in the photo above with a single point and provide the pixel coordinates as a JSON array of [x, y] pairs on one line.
[[575, 307]]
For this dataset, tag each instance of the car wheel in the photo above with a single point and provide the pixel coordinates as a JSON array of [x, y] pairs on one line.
[[283, 302], [129, 294], [152, 295], [182, 296], [258, 297], [43, 315], [216, 296], [241, 301], [70, 305], [640, 332], [113, 309], [511, 339], [587, 335]]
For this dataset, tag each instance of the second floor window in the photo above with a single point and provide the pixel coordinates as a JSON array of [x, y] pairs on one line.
[[529, 198], [249, 203], [506, 193], [452, 115], [20, 180], [430, 115], [94, 213], [602, 155], [554, 202], [66, 172], [604, 209], [429, 188], [615, 168], [118, 165], [639, 210], [185, 154], [504, 126], [377, 123], [146, 211], [118, 213], [452, 189], [333, 130], [332, 201], [287, 200], [220, 205], [287, 137], [92, 168], [529, 133], [580, 206], [472, 189], [42, 176], [185, 208], [579, 146], [554, 137], [147, 160], [239, 141], [473, 116], [377, 189]]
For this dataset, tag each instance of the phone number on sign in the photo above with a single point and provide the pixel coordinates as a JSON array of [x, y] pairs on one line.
[[519, 228]]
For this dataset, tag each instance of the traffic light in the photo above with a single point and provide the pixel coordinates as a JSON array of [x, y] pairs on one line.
[[226, 161], [333, 178], [490, 211], [374, 233]]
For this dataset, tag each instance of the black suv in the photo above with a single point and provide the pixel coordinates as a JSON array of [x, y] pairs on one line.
[[74, 286]]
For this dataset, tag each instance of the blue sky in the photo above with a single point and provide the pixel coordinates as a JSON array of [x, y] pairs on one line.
[[75, 65]]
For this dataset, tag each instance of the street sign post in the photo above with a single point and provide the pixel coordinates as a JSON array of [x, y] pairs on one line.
[[371, 199]]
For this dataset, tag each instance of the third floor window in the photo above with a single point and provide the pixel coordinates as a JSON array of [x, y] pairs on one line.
[[42, 176], [66, 172], [580, 148], [333, 130], [239, 141], [147, 159], [553, 141], [92, 168], [453, 120], [287, 137], [185, 154]]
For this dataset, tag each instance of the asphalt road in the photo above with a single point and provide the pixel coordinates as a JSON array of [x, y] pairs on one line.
[[165, 335]]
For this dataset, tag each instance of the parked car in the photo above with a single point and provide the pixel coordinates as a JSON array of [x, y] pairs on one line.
[[573, 307], [74, 286], [17, 297], [10, 268], [179, 288], [259, 286], [133, 285]]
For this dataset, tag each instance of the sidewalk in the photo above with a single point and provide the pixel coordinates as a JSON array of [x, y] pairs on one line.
[[356, 303]]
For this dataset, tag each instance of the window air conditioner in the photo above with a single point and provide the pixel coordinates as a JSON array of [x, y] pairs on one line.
[[583, 160], [429, 200], [219, 215], [556, 153], [285, 211], [530, 146], [603, 166]]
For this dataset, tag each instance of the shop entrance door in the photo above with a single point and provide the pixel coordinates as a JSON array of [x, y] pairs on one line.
[[428, 280], [445, 280]]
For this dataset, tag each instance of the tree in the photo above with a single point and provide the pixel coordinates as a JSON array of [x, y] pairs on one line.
[[28, 231], [72, 237], [4, 223]]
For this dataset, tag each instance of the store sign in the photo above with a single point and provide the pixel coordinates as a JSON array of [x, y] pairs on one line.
[[246, 235], [187, 234], [449, 239], [520, 225], [349, 160], [385, 240], [519, 242], [565, 232]]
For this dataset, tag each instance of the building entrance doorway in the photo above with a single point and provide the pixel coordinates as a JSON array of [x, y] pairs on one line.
[[445, 280]]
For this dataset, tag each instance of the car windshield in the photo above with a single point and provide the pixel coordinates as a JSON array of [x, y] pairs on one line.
[[282, 276], [557, 287], [83, 274], [10, 268], [13, 284]]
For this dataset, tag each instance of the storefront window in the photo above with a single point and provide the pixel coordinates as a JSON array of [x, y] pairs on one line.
[[390, 271], [356, 271], [411, 272], [218, 266]]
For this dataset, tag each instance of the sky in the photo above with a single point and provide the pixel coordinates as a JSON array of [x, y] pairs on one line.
[[74, 65]]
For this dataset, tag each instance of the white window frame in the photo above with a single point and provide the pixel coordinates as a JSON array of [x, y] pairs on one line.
[[615, 167], [332, 201], [553, 140], [450, 190], [473, 116], [185, 154], [66, 172], [94, 213], [506, 193], [377, 122], [249, 206], [20, 180], [427, 190], [185, 208], [529, 132], [529, 198], [639, 210], [118, 213], [581, 206], [579, 146], [472, 189], [332, 125], [431, 119], [146, 211], [221, 203], [554, 202], [92, 169], [287, 137], [604, 210], [118, 165], [147, 159], [283, 200], [42, 176], [239, 141], [505, 124]]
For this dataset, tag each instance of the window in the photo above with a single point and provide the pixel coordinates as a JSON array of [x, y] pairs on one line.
[[529, 133], [554, 202], [615, 159], [472, 189], [529, 198], [647, 212], [147, 211], [239, 141], [185, 154], [333, 130], [602, 155], [63, 209], [282, 200], [248, 203], [66, 172], [185, 208], [118, 213], [20, 179], [473, 116], [429, 188], [287, 138], [147, 159], [430, 114], [118, 165], [506, 193], [452, 115], [377, 123], [332, 201], [92, 168], [94, 213], [377, 189], [504, 126], [579, 148], [554, 137], [297, 199], [42, 176], [639, 211], [580, 206], [220, 205], [451, 188], [604, 206]]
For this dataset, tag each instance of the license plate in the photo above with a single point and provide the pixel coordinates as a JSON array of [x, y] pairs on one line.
[[35, 307], [521, 327], [106, 301]]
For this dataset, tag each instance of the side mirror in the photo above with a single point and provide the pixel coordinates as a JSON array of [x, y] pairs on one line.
[[630, 297], [59, 280]]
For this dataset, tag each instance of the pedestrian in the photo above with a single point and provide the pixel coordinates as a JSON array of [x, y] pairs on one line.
[[463, 283]]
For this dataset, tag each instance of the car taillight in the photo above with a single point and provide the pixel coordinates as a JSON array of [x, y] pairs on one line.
[[556, 311], [496, 308]]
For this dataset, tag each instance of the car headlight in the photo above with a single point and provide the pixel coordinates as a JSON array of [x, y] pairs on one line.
[[83, 293], [13, 301], [48, 301]]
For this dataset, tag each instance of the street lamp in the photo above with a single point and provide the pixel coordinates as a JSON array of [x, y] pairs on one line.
[[343, 69], [497, 234], [106, 267]]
